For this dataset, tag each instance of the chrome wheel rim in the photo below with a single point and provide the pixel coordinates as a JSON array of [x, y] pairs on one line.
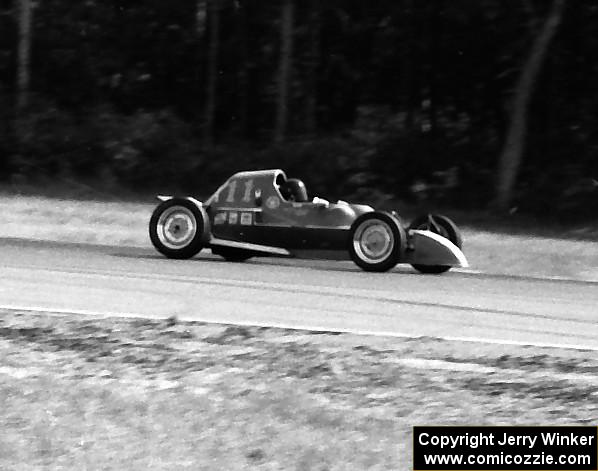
[[373, 241], [176, 227]]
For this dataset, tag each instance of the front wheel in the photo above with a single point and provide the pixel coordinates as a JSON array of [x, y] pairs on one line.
[[377, 241], [176, 228], [440, 225]]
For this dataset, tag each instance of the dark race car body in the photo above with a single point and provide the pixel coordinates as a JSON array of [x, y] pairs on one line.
[[264, 213]]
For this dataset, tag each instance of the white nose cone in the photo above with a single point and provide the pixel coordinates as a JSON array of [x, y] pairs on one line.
[[433, 249]]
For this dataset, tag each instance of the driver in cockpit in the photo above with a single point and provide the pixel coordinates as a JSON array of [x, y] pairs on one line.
[[294, 190]]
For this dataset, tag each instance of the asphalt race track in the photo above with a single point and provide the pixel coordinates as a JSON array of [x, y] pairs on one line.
[[316, 295]]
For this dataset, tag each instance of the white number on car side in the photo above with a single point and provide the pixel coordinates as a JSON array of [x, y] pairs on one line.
[[232, 187], [248, 188]]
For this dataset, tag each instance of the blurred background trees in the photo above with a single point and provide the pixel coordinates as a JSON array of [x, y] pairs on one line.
[[473, 103]]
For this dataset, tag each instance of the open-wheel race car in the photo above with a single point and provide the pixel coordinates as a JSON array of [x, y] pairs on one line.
[[264, 213]]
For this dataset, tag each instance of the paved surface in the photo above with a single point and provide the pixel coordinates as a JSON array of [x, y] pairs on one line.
[[316, 295]]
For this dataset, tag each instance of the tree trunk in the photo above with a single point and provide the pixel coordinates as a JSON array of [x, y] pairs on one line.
[[22, 125], [23, 55], [242, 17], [409, 98], [199, 88], [212, 72], [284, 72], [201, 13], [311, 103], [435, 33], [512, 152]]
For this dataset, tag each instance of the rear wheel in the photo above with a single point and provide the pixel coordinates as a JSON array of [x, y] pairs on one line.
[[440, 225], [377, 241], [176, 228]]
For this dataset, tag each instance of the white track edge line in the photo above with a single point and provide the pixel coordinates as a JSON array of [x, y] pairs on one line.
[[280, 325]]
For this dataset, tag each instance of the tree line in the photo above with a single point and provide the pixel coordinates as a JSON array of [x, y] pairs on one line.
[[487, 103]]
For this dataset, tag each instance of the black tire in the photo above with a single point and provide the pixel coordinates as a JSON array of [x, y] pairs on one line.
[[440, 225], [232, 254], [386, 241], [176, 228]]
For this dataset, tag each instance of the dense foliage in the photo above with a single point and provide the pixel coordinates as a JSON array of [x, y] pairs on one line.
[[397, 98]]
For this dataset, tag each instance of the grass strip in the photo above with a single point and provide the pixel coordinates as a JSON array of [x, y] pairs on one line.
[[113, 394]]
